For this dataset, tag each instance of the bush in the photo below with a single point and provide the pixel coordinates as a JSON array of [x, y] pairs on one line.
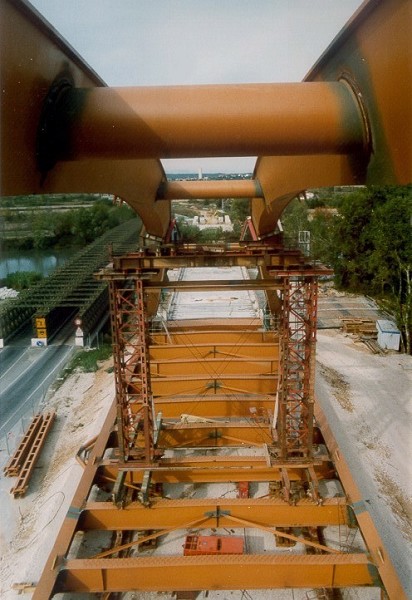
[[22, 280], [87, 360]]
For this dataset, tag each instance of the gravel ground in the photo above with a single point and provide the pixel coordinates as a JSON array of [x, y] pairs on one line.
[[367, 401]]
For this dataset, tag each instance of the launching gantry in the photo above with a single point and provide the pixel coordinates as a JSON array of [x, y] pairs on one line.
[[201, 402]]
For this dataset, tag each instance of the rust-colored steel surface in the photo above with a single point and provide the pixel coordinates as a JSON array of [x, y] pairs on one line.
[[211, 401], [227, 403], [373, 54], [348, 122], [223, 188], [35, 64], [190, 121]]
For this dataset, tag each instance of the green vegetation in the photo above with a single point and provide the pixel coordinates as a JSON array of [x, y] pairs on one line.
[[368, 243], [87, 360], [22, 280], [51, 226]]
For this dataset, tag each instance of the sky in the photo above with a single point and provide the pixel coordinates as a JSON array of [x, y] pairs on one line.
[[192, 42]]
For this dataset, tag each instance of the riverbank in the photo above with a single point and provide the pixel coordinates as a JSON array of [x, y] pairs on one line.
[[43, 262]]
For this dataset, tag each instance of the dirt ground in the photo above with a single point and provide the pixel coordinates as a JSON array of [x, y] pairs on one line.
[[367, 399], [29, 524]]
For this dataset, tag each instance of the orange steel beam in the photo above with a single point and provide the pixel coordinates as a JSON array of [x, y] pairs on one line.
[[203, 434], [191, 121], [212, 406], [33, 55], [372, 55], [169, 513], [207, 475], [215, 572], [229, 188], [215, 285], [373, 52], [273, 258], [63, 540]]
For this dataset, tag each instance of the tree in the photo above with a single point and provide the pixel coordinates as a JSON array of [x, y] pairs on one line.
[[372, 250], [391, 261], [295, 219]]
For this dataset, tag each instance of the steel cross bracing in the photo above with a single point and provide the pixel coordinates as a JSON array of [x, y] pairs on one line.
[[228, 377], [136, 410], [296, 390], [133, 389], [203, 404]]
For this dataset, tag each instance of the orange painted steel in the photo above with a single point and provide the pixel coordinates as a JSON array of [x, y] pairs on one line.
[[163, 513], [273, 257], [296, 392], [191, 121], [260, 473], [16, 462], [371, 56], [33, 57], [215, 572], [373, 53], [216, 405], [224, 188], [26, 470], [348, 122], [201, 545], [131, 366], [206, 435], [61, 547]]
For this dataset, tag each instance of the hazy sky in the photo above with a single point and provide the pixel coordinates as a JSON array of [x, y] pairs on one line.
[[177, 42]]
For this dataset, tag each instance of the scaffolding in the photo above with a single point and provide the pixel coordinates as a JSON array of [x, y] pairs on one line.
[[131, 278], [296, 392], [131, 367]]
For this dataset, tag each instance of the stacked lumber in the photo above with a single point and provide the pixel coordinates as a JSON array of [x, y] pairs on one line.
[[365, 327], [23, 461]]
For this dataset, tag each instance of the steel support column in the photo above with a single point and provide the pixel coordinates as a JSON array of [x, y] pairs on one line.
[[131, 368], [296, 392]]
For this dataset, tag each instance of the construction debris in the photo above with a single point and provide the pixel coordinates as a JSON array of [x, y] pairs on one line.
[[361, 327], [24, 588]]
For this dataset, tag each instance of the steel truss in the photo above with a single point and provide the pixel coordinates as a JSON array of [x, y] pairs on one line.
[[232, 376], [71, 287], [130, 279], [131, 367], [296, 390]]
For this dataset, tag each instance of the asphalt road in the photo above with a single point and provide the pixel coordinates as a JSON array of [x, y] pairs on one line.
[[25, 375]]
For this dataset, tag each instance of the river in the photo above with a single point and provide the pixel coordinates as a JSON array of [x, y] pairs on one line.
[[41, 261]]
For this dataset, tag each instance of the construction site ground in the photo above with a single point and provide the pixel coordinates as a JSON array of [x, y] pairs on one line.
[[367, 400]]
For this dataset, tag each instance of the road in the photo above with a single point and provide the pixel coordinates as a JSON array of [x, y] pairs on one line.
[[25, 375]]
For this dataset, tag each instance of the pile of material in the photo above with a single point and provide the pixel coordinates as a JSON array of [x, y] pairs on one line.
[[360, 327]]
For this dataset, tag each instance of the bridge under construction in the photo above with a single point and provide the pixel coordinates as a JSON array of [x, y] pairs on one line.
[[212, 399]]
